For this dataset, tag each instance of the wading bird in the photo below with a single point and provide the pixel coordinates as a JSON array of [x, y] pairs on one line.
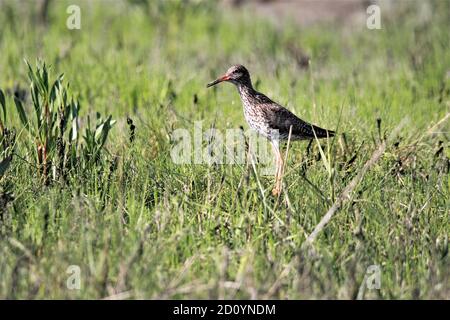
[[270, 119]]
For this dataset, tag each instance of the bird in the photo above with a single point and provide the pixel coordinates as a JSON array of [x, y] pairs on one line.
[[270, 119]]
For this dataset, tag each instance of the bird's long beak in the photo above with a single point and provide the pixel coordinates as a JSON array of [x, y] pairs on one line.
[[219, 80]]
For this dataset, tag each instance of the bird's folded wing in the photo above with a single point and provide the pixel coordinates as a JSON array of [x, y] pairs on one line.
[[282, 119]]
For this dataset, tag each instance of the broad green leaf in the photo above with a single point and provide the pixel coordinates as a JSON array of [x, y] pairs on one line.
[[3, 104], [45, 77], [21, 111], [107, 125], [31, 74], [99, 130], [36, 104], [75, 109]]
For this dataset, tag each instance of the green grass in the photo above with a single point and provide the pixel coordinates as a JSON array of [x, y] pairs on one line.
[[151, 228]]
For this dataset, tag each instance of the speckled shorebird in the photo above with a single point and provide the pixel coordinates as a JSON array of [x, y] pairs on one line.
[[270, 119]]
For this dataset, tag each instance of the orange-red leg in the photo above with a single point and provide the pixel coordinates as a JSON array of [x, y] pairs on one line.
[[276, 191]]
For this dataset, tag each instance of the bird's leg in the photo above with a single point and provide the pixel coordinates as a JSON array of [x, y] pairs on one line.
[[279, 169], [275, 190], [279, 181]]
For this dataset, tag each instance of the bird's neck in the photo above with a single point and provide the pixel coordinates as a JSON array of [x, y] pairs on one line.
[[245, 89]]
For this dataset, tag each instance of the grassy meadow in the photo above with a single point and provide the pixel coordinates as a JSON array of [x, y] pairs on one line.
[[140, 226]]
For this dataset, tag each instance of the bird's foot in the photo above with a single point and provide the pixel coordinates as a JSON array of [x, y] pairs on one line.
[[276, 191]]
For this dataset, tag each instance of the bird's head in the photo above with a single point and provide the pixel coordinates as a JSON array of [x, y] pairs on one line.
[[236, 74]]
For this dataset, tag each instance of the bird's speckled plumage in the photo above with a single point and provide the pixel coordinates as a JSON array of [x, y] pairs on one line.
[[268, 117]]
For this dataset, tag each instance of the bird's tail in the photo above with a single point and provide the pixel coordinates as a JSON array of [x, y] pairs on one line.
[[323, 133]]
